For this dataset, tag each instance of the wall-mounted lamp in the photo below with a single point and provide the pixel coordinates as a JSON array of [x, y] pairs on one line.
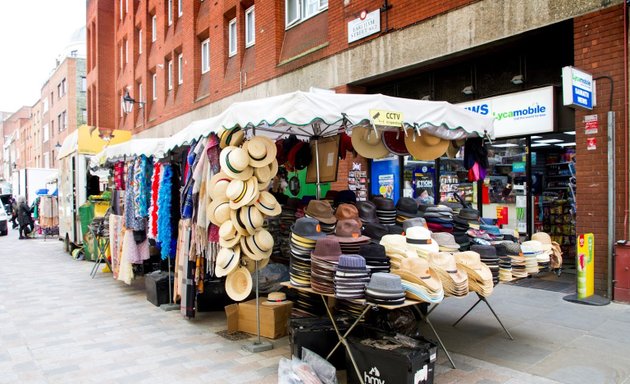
[[469, 90], [129, 101], [57, 146], [518, 80]]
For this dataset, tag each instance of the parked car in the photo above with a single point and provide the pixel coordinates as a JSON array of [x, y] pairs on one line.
[[4, 221]]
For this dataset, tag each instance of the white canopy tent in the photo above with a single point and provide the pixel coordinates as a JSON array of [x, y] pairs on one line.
[[321, 114], [134, 147]]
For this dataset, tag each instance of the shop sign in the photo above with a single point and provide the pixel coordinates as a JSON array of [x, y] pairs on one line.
[[585, 266], [502, 215], [386, 118], [518, 114], [518, 167], [591, 124], [591, 143], [365, 25], [578, 89]]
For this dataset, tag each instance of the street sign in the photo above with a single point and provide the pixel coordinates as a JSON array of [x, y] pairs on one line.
[[578, 89]]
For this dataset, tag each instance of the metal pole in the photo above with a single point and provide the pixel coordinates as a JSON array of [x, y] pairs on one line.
[[257, 306], [611, 200], [317, 191]]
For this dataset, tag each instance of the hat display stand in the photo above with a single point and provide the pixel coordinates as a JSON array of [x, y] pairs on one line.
[[258, 345]]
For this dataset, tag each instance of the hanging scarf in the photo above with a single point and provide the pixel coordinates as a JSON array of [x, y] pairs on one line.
[[145, 185], [187, 196], [153, 209], [130, 219], [119, 175], [165, 231]]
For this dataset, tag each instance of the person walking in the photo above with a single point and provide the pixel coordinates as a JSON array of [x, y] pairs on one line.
[[24, 218], [14, 210]]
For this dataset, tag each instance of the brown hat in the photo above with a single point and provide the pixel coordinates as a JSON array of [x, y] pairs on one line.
[[347, 211], [349, 231], [321, 210], [426, 146]]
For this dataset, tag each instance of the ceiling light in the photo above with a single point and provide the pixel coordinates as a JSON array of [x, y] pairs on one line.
[[518, 80], [572, 133], [565, 145], [550, 141], [536, 137], [540, 145], [506, 145], [469, 90]]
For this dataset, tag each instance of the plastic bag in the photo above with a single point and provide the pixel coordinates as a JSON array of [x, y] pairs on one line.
[[325, 371], [305, 372], [400, 320], [285, 373]]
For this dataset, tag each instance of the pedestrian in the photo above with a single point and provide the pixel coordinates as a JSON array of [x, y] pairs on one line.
[[14, 211], [24, 218]]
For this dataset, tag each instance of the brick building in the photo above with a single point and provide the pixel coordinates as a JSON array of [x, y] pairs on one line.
[[189, 59], [12, 148]]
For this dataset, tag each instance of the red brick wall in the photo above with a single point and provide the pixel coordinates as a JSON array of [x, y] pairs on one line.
[[599, 50]]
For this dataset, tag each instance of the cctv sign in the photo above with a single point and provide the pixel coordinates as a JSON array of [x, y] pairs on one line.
[[578, 88]]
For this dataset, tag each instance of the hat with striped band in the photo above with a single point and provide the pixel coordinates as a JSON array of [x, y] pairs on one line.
[[242, 192], [235, 163], [231, 137], [267, 204], [257, 246], [227, 260]]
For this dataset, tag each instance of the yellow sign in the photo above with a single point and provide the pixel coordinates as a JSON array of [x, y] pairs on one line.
[[585, 261], [90, 143], [387, 118]]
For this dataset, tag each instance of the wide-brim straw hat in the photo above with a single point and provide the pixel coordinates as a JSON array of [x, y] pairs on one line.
[[260, 150], [257, 246], [445, 261], [367, 143], [425, 147], [234, 162], [242, 192], [267, 204], [247, 220], [544, 239], [218, 211], [422, 272], [218, 186], [453, 147], [227, 261], [230, 137], [479, 274], [228, 235], [238, 284]]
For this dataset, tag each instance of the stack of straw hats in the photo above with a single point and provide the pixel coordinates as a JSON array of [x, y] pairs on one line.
[[419, 280], [304, 235], [546, 243], [454, 280], [385, 289], [348, 234], [395, 248], [324, 259], [532, 250], [351, 277], [238, 207], [419, 239], [479, 275], [323, 212]]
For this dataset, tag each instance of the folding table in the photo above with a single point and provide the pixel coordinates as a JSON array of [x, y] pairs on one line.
[[485, 300]]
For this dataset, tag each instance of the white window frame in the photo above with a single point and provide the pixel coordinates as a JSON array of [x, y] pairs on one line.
[[250, 13], [120, 9], [154, 85], [180, 69], [140, 92], [169, 11], [301, 7], [180, 8], [232, 38], [46, 129], [205, 56], [140, 41], [83, 84], [169, 66], [121, 55], [153, 28]]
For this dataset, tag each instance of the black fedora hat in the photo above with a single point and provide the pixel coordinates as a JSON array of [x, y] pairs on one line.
[[407, 207], [346, 196], [367, 211], [373, 251], [375, 230]]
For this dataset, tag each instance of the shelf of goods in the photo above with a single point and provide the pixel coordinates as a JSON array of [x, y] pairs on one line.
[[449, 184]]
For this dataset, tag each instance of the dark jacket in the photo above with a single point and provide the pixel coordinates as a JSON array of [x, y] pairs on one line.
[[24, 214]]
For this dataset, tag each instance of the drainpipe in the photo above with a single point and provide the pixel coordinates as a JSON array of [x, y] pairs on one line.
[[626, 219]]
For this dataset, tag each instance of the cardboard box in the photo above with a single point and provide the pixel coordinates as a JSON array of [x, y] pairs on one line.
[[273, 318]]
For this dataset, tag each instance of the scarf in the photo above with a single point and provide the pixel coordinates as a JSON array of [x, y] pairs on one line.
[[165, 231], [153, 208]]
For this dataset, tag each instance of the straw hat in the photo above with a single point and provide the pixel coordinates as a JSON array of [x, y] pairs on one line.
[[479, 275], [275, 298], [257, 246], [235, 163], [231, 137], [247, 220], [260, 150], [228, 235], [267, 204], [394, 244], [453, 147], [218, 211], [368, 143], [419, 239], [227, 261], [242, 192], [238, 284], [417, 270], [218, 185], [544, 239], [426, 146], [250, 264]]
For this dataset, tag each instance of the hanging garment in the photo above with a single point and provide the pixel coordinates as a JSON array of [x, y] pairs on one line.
[[134, 252], [165, 229], [153, 208], [115, 242], [119, 175]]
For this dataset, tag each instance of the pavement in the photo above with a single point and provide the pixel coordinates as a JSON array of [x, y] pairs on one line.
[[57, 325]]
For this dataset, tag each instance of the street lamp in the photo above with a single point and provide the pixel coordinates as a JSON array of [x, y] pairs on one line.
[[128, 103]]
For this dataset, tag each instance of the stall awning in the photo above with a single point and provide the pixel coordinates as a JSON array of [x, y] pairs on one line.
[[86, 140], [298, 112], [131, 148]]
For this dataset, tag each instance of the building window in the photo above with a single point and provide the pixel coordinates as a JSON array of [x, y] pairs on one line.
[[250, 27], [46, 133], [140, 92], [84, 115], [153, 28], [169, 11], [140, 41], [83, 84], [205, 56], [46, 160], [45, 104], [120, 8], [180, 68], [169, 66], [120, 46], [180, 8], [154, 85], [300, 10], [126, 51], [232, 38]]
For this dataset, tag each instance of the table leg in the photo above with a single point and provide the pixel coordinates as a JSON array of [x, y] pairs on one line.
[[497, 317], [437, 336], [467, 312]]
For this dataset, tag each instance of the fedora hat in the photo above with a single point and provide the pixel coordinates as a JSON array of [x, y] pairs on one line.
[[242, 192], [375, 231], [261, 151], [367, 211], [230, 137], [267, 204], [347, 211], [394, 141], [227, 261], [321, 210], [470, 262], [419, 239], [327, 248], [426, 146], [218, 211], [247, 220], [417, 270], [218, 185], [394, 245], [414, 222], [407, 207], [345, 196], [228, 235], [257, 246], [250, 264], [349, 231], [445, 261], [275, 298], [308, 228], [445, 240], [453, 147], [235, 163], [238, 284], [367, 143]]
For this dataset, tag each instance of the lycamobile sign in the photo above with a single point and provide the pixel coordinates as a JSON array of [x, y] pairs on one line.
[[518, 114]]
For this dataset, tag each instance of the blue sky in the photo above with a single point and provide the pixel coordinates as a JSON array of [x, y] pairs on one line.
[[32, 34]]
